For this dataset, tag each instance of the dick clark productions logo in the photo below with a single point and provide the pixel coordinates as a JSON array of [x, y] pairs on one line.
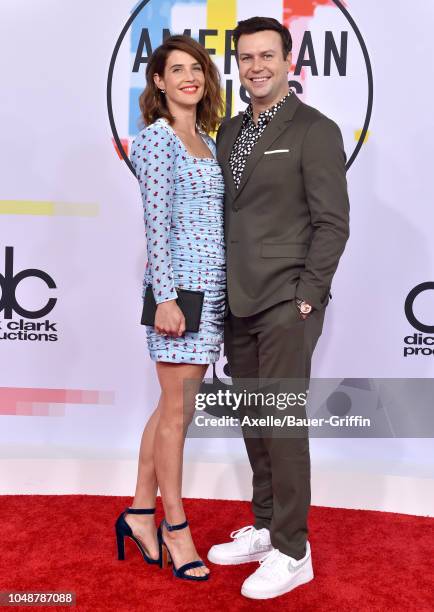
[[418, 343], [23, 328]]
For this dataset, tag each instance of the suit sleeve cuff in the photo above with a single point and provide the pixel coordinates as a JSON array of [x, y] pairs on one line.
[[317, 298]]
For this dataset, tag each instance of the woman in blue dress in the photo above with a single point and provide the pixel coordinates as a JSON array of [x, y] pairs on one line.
[[182, 190]]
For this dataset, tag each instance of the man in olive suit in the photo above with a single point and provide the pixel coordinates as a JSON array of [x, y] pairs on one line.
[[286, 226]]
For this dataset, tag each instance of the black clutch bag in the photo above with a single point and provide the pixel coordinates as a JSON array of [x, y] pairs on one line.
[[190, 302]]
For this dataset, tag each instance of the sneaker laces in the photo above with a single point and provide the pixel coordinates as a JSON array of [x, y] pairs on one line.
[[270, 558], [276, 561], [238, 533], [249, 530], [271, 561]]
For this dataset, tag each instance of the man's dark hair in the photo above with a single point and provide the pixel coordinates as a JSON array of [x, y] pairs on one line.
[[259, 24]]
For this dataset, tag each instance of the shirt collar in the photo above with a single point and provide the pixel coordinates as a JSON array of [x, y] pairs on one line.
[[265, 117]]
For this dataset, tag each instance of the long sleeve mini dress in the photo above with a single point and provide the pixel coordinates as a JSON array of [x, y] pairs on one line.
[[183, 212]]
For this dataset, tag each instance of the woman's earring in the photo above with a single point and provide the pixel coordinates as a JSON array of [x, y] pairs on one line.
[[163, 91]]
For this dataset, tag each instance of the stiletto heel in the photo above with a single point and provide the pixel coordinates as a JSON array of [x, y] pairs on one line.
[[123, 530], [166, 556], [121, 547]]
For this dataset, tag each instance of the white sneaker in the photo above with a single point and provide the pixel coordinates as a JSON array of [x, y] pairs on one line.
[[249, 544], [278, 574]]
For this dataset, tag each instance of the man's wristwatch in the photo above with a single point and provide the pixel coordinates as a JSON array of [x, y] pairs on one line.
[[303, 306]]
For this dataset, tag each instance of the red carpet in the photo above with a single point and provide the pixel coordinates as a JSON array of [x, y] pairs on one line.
[[363, 561]]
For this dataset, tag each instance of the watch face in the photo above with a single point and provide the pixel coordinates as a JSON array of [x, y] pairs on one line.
[[305, 308]]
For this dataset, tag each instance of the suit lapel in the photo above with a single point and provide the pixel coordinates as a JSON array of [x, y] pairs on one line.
[[227, 143], [273, 130]]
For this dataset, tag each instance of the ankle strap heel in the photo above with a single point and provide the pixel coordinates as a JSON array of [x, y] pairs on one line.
[[166, 557], [174, 527], [123, 530]]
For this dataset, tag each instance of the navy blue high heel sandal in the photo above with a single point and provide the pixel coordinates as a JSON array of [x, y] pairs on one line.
[[166, 556], [123, 530]]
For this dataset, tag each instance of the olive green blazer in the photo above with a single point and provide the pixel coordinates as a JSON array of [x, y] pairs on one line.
[[287, 223]]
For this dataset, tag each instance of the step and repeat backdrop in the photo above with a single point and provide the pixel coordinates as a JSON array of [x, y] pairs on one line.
[[75, 379]]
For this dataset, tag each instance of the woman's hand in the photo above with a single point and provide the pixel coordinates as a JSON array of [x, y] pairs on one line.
[[169, 319]]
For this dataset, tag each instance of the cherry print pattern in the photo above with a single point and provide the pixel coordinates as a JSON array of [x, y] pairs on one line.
[[183, 213]]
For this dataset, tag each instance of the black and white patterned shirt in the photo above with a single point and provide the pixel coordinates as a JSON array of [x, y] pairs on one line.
[[249, 135]]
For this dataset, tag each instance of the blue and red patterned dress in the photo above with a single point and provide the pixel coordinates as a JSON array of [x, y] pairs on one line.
[[183, 205]]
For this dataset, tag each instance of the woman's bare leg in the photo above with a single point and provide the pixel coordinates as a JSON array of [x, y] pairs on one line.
[[168, 454], [143, 525]]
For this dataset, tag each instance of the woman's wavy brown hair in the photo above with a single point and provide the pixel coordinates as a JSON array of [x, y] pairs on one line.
[[153, 103]]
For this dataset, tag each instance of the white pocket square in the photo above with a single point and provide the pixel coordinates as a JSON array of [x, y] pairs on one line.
[[276, 151]]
